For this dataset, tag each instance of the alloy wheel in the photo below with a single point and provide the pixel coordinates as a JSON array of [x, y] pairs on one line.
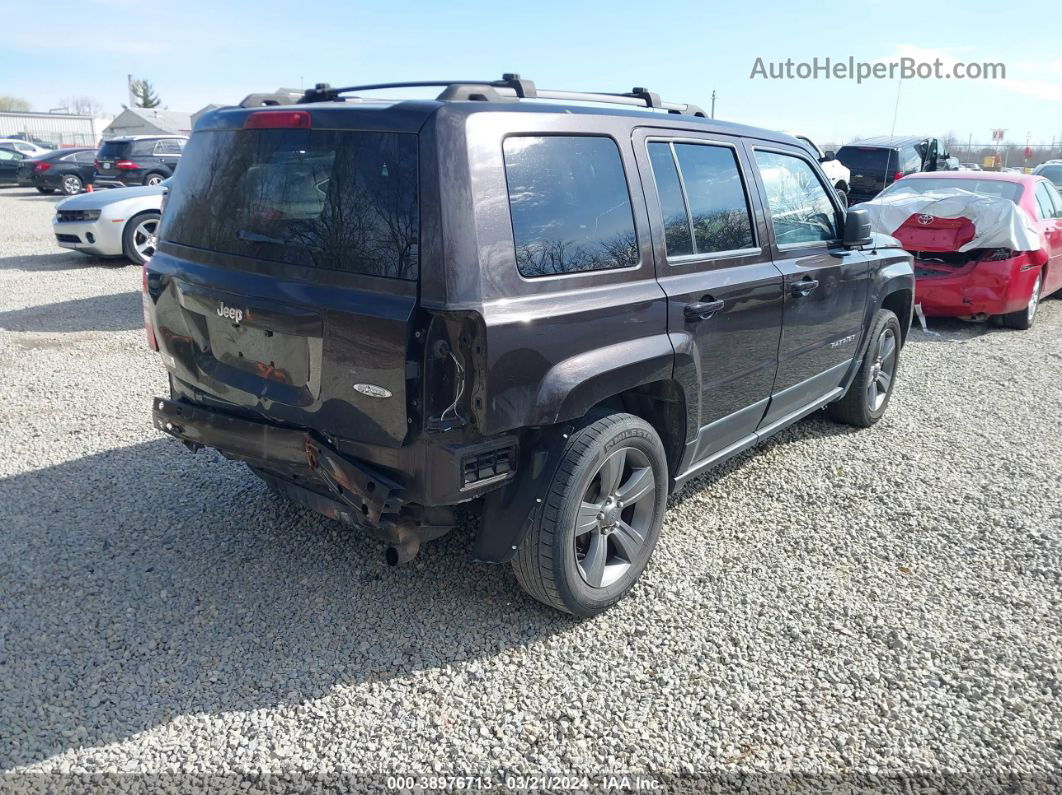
[[883, 370], [155, 179], [144, 237], [71, 185], [615, 517], [1034, 300]]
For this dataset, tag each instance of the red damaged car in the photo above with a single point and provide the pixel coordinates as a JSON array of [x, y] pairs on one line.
[[957, 276]]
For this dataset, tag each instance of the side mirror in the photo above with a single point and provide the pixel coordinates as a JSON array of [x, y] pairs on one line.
[[857, 229], [829, 155]]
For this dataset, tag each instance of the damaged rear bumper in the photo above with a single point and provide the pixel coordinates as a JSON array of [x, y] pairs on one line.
[[368, 496], [989, 288]]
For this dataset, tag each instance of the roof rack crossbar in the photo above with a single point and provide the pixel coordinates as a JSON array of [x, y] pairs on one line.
[[512, 85]]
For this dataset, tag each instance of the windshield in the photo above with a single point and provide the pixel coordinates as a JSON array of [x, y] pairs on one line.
[[329, 199], [995, 188]]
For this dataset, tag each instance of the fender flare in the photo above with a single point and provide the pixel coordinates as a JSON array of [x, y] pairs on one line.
[[575, 385]]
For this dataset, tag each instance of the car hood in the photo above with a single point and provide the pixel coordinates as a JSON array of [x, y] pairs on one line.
[[97, 200]]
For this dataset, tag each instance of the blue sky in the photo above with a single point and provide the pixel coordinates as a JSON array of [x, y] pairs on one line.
[[201, 52]]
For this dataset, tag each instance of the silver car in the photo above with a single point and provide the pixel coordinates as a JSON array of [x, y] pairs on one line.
[[121, 222]]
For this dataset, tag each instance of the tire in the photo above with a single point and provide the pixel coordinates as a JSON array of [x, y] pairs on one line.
[[154, 178], [861, 406], [133, 246], [842, 196], [71, 185], [1024, 318], [586, 573], [46, 191]]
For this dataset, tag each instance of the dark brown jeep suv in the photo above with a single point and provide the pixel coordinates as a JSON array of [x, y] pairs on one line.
[[548, 308]]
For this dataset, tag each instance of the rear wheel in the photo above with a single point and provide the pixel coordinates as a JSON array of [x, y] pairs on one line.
[[71, 185], [138, 238], [154, 179], [598, 522], [1023, 318], [868, 395]]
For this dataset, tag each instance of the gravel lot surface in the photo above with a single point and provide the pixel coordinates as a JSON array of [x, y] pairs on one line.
[[885, 601]]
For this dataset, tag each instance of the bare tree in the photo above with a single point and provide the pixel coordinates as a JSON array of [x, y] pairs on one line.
[[82, 105]]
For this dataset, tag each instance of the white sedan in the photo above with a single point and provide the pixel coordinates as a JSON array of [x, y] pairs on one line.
[[121, 222]]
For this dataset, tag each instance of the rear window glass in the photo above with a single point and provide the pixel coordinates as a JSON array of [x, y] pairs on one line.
[[868, 159], [570, 206], [114, 150], [983, 187], [331, 199]]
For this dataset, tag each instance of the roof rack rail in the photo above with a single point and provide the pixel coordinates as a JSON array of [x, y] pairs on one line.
[[511, 87]]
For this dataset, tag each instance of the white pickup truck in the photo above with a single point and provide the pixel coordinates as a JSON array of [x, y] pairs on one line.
[[833, 168]]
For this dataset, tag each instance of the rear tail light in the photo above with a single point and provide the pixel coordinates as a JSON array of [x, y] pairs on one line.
[[998, 255], [270, 119], [42, 167], [128, 165], [96, 164], [149, 329], [897, 176]]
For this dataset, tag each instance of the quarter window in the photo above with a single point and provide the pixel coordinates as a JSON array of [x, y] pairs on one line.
[[801, 211], [570, 205], [710, 199]]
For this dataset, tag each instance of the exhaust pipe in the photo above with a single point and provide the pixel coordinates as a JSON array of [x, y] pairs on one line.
[[397, 554]]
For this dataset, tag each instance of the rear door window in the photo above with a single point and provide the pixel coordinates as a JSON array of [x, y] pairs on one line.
[[801, 211], [569, 203], [701, 190], [329, 199], [1045, 208]]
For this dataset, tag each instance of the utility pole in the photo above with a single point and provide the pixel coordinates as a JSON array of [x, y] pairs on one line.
[[129, 90], [713, 103]]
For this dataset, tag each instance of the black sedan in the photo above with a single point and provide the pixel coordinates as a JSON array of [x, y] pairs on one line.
[[10, 160], [65, 170]]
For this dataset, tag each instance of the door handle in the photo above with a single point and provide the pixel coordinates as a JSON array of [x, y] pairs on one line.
[[804, 287], [702, 310]]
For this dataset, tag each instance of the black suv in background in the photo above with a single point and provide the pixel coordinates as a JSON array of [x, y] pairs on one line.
[[137, 160], [878, 162], [65, 170], [551, 315]]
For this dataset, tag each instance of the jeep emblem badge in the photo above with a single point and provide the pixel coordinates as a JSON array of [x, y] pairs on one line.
[[232, 313], [371, 390]]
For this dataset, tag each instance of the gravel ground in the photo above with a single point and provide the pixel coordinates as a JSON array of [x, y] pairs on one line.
[[883, 602]]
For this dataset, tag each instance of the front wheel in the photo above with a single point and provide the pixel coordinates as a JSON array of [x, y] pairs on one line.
[[138, 239], [868, 395], [598, 522]]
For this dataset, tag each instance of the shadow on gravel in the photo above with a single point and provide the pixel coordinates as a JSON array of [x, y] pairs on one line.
[[59, 261], [145, 583], [810, 429], [117, 312]]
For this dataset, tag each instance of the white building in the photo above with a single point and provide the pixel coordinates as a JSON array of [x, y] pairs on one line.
[[54, 130], [149, 121]]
